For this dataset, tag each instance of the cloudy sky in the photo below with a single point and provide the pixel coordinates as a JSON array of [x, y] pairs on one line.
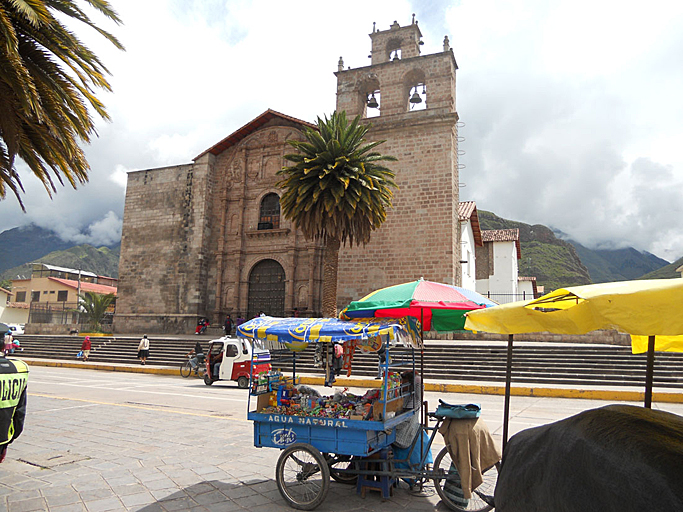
[[573, 110]]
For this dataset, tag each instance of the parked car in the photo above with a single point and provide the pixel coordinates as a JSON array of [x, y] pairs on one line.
[[16, 328]]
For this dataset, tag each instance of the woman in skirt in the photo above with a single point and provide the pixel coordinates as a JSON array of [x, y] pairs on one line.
[[143, 349]]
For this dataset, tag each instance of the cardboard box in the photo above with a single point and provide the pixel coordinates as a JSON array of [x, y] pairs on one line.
[[263, 401], [378, 408]]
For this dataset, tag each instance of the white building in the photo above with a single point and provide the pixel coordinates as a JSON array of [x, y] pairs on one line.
[[11, 313], [470, 239], [497, 268], [526, 287]]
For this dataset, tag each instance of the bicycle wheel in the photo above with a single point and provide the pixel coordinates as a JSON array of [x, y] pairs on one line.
[[303, 477], [342, 462], [185, 369], [450, 489]]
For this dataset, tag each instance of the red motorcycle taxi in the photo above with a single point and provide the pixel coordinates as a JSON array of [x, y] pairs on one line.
[[231, 359]]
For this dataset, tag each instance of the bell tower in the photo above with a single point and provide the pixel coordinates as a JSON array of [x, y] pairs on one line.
[[409, 99]]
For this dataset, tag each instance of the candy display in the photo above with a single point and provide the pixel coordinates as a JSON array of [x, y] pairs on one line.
[[286, 398]]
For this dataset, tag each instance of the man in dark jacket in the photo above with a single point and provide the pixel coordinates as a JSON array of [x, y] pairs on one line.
[[13, 383]]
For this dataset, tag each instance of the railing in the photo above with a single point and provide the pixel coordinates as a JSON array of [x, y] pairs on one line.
[[53, 313], [64, 313], [504, 298]]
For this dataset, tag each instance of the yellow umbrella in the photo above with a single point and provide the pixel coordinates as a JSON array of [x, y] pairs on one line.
[[650, 309]]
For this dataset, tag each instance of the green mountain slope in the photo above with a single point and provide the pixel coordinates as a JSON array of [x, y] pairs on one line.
[[28, 243], [611, 265], [103, 261], [553, 262], [666, 272]]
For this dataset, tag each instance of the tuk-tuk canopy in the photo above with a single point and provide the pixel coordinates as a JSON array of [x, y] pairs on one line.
[[296, 333]]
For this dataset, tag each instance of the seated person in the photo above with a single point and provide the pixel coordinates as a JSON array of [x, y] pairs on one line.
[[412, 389], [215, 358]]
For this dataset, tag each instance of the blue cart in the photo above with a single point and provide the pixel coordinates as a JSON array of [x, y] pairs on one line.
[[350, 451]]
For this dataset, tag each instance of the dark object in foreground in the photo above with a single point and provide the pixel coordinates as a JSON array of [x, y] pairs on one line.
[[617, 458]]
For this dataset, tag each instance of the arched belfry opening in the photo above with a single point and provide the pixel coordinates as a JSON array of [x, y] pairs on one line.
[[266, 289], [393, 49], [415, 90], [372, 95]]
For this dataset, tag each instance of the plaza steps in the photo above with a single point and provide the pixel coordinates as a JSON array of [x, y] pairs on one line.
[[561, 364]]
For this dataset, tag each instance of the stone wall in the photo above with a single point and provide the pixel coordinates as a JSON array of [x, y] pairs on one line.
[[421, 236], [601, 337], [161, 250]]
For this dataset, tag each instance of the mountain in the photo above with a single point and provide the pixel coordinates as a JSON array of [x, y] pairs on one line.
[[103, 261], [26, 244], [608, 265], [554, 262], [666, 272]]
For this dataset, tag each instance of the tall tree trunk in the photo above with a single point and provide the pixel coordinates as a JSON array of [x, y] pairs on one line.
[[330, 266]]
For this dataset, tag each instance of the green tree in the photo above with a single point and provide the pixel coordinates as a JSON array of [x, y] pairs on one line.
[[94, 306], [337, 191], [47, 79]]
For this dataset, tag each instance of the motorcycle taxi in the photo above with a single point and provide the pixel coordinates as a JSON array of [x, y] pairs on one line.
[[231, 359]]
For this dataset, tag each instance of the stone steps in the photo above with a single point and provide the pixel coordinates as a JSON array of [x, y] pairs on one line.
[[457, 361]]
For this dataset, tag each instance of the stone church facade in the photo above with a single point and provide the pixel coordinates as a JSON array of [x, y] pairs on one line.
[[207, 238]]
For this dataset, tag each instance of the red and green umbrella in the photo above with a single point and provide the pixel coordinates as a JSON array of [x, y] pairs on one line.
[[440, 307]]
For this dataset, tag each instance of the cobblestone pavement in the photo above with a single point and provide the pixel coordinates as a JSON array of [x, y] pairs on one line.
[[100, 441]]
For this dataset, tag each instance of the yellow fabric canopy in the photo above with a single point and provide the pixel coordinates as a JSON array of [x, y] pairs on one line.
[[639, 308]]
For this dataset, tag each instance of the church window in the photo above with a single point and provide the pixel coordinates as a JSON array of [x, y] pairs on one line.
[[269, 213]]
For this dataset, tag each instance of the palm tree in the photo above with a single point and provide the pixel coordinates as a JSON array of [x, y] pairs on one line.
[[47, 77], [94, 306], [336, 191]]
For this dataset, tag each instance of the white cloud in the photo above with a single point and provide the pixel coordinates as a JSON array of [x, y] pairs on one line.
[[572, 108]]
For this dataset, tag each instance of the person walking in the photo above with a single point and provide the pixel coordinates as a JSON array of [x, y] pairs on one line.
[[13, 383], [227, 325], [143, 349], [85, 348], [9, 344]]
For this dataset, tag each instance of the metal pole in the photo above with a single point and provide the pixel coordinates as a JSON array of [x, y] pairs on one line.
[[508, 382], [423, 417], [78, 299], [649, 371]]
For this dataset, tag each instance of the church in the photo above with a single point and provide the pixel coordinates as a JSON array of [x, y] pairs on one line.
[[206, 239]]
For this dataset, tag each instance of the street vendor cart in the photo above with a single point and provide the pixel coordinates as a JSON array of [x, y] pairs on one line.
[[371, 440]]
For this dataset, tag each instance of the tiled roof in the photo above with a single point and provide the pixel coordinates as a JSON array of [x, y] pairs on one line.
[[503, 235], [86, 287], [467, 210], [18, 305], [250, 128]]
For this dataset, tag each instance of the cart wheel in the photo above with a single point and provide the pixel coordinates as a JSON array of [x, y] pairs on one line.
[[185, 369], [303, 476], [243, 382], [342, 462], [207, 379], [450, 491]]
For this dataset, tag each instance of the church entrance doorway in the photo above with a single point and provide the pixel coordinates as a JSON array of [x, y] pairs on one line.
[[266, 289]]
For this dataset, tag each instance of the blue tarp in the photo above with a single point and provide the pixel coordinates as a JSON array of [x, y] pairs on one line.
[[296, 333]]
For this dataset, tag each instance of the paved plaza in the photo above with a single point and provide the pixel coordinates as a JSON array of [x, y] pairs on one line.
[[98, 441]]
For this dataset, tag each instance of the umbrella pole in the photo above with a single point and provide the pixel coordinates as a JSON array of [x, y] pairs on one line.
[[508, 382], [649, 371]]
